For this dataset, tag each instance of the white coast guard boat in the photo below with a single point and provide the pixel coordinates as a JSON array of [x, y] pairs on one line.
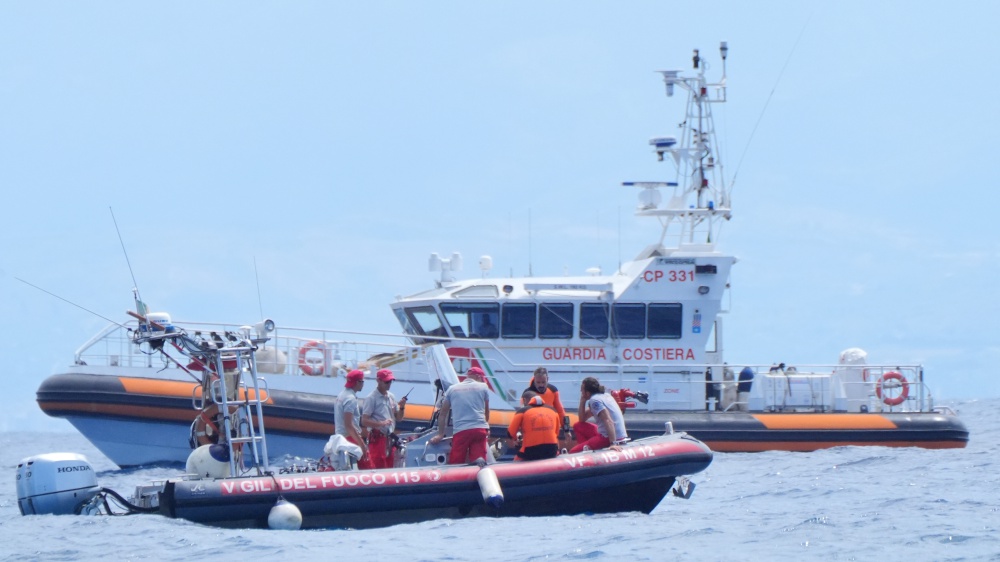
[[652, 329]]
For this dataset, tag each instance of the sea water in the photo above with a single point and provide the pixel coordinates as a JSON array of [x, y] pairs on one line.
[[847, 503]]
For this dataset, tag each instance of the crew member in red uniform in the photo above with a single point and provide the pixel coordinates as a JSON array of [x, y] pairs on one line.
[[380, 414]]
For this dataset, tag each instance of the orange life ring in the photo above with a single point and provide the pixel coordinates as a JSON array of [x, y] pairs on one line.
[[886, 399], [205, 430], [313, 370]]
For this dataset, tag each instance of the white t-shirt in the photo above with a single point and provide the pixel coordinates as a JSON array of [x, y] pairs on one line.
[[468, 400], [605, 401]]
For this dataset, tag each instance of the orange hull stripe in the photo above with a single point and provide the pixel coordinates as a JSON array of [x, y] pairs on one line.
[[168, 388], [805, 447], [154, 414], [824, 421]]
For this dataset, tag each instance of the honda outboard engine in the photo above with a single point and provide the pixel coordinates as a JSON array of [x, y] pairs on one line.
[[55, 483]]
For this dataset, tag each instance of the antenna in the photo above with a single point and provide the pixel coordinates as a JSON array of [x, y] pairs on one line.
[[619, 238], [529, 244], [510, 239], [70, 302], [768, 102], [260, 303], [139, 305]]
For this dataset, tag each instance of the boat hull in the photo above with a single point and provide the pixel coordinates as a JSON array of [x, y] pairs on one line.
[[635, 479], [732, 432], [135, 421]]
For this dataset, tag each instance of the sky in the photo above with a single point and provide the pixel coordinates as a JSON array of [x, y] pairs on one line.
[[303, 159]]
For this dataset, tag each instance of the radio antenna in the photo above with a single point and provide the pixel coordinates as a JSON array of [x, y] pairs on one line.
[[122, 242], [69, 302], [768, 101], [260, 303], [529, 243]]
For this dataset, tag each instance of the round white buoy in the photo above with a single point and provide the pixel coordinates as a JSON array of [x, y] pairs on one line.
[[284, 516], [209, 461]]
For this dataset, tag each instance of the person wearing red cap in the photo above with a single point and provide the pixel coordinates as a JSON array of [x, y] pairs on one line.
[[380, 414], [347, 415], [469, 404]]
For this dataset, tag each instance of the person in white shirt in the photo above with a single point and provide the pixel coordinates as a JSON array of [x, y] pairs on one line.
[[609, 431], [469, 404]]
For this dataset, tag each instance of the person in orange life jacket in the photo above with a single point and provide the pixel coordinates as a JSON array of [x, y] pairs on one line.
[[538, 424], [549, 394], [380, 414], [469, 401], [347, 415], [610, 428]]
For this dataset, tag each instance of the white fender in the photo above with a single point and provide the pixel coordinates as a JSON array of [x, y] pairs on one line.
[[209, 461], [284, 516], [490, 486]]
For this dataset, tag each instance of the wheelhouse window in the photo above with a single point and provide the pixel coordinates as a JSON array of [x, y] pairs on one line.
[[664, 320], [594, 320], [472, 320], [424, 321], [518, 320], [629, 320], [555, 320]]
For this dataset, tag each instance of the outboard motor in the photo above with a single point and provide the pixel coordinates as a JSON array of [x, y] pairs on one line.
[[56, 484]]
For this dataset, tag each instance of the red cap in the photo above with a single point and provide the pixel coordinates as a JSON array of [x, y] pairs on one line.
[[354, 377], [477, 372], [385, 375]]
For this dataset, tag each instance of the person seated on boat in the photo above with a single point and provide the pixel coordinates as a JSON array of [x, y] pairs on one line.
[[469, 404], [379, 414], [347, 415], [538, 424], [610, 429], [487, 329]]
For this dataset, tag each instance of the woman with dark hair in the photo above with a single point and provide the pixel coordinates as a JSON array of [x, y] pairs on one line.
[[609, 431]]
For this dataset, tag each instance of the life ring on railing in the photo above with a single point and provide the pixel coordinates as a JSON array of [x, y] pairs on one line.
[[312, 369], [205, 430], [903, 383]]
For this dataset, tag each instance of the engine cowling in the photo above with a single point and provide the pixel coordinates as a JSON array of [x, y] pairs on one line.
[[55, 483]]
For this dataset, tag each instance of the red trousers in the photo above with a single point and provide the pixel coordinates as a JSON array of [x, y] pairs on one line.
[[377, 450], [467, 446], [586, 434], [366, 461]]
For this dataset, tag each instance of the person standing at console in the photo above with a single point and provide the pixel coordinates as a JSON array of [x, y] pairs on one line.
[[469, 404], [380, 414]]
